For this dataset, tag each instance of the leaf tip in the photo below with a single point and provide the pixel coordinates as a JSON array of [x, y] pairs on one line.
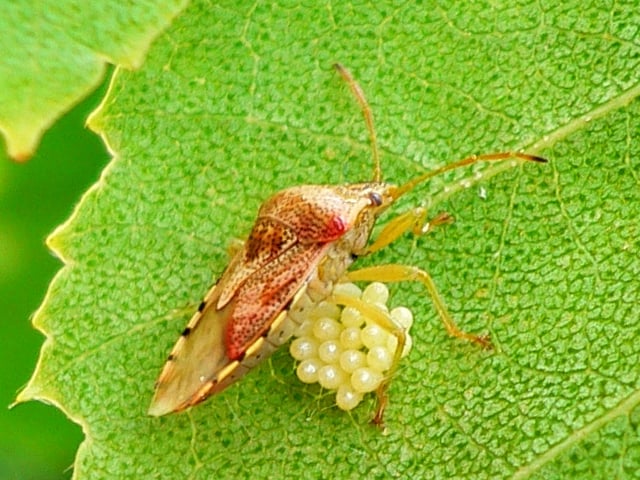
[[21, 145], [27, 394]]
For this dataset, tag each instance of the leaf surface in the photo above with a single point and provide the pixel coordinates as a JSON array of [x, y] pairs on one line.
[[237, 102], [54, 54]]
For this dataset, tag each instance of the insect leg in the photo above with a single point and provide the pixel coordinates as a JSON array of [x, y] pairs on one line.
[[234, 246], [387, 322], [403, 273], [414, 220]]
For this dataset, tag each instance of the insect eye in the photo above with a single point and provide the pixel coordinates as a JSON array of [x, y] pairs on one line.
[[375, 199]]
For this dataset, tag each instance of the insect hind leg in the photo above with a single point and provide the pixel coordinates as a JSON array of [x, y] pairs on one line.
[[403, 273], [388, 323], [234, 247]]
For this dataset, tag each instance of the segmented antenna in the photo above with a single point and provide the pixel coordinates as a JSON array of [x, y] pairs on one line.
[[489, 157], [368, 117], [377, 173]]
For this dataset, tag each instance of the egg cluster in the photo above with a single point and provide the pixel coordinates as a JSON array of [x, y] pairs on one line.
[[342, 349]]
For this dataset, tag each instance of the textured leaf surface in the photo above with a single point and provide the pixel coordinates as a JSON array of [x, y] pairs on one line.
[[238, 102], [54, 53]]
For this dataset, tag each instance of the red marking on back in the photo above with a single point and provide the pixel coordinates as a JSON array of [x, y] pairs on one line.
[[336, 227]]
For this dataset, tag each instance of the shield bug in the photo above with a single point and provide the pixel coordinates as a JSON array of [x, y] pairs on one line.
[[303, 242]]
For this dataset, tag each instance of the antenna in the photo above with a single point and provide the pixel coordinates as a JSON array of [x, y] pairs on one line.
[[377, 173], [368, 117], [489, 157]]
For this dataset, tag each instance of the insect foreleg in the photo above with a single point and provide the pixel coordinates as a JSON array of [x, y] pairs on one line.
[[414, 220], [388, 323], [405, 273]]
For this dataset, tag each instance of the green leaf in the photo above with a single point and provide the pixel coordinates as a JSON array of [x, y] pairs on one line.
[[238, 102], [54, 54]]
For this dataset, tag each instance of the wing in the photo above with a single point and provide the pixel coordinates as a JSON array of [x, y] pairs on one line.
[[268, 239], [209, 354], [267, 292], [197, 356]]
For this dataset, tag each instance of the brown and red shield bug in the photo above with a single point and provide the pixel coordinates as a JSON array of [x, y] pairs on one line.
[[303, 241]]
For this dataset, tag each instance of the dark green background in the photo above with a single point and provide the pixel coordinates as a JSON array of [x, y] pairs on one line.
[[37, 441]]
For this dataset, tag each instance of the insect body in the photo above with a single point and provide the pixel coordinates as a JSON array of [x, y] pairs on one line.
[[303, 241]]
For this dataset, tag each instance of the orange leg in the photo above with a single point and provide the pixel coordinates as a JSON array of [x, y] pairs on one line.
[[405, 273], [399, 273], [387, 322], [414, 220], [234, 247]]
